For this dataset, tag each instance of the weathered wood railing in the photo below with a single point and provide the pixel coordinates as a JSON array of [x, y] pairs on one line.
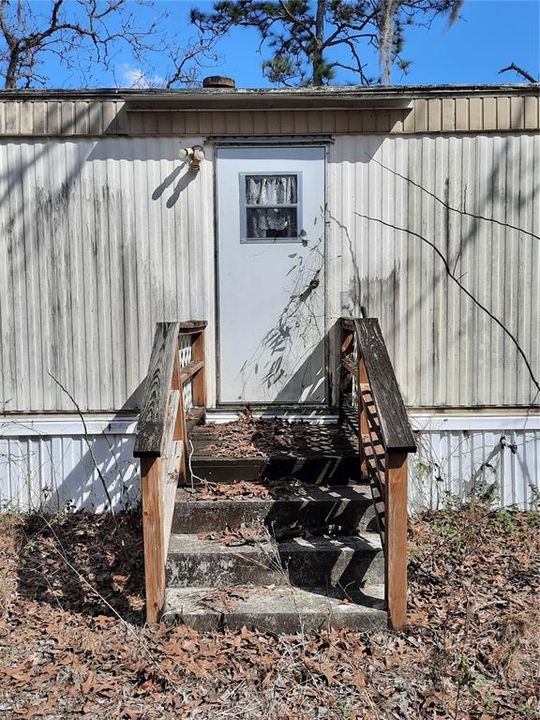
[[174, 400], [377, 411]]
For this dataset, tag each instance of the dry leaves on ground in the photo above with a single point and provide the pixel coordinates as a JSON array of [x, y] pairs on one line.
[[229, 491], [72, 644]]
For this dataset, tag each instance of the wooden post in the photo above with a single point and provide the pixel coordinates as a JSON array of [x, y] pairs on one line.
[[199, 381], [154, 552], [396, 539], [180, 421], [160, 443], [363, 422]]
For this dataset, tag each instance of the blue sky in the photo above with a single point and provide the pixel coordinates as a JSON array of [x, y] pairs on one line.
[[491, 34]]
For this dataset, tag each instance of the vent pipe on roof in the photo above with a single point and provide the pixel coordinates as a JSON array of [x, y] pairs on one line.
[[219, 81]]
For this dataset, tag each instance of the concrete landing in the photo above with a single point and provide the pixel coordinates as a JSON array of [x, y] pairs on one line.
[[273, 609]]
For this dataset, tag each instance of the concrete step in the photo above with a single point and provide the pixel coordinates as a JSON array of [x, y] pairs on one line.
[[278, 609], [347, 562], [345, 509], [321, 469]]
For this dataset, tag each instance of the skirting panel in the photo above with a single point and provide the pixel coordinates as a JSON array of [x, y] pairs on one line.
[[52, 464], [492, 457]]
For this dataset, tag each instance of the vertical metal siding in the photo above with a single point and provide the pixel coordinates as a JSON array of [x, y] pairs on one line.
[[55, 473], [47, 464], [446, 351], [519, 109], [98, 241], [452, 466]]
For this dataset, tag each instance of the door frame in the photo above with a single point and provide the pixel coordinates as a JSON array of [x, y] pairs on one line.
[[240, 142]]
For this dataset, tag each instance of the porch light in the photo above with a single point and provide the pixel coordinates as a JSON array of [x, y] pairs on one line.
[[194, 155]]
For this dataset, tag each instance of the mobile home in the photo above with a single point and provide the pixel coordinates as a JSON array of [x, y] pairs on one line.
[[269, 214]]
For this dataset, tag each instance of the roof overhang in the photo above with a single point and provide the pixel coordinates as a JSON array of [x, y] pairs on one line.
[[331, 98]]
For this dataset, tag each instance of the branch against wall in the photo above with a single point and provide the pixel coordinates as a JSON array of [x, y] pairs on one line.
[[452, 208], [86, 439], [463, 289]]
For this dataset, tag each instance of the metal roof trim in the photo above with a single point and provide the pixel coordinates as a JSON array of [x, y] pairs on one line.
[[396, 93]]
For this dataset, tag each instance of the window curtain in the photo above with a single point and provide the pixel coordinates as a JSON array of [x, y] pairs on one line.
[[271, 192]]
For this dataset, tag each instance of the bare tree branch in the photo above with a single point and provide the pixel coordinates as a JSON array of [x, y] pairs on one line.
[[87, 34], [519, 71], [468, 293], [87, 440]]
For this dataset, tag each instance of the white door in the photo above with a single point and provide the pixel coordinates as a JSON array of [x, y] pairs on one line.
[[270, 204]]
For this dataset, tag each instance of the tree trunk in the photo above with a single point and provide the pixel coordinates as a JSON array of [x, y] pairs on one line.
[[317, 61], [386, 38], [10, 82]]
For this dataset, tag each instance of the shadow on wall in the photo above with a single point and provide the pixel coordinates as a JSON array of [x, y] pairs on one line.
[[47, 197], [55, 472], [455, 228], [185, 179], [288, 363]]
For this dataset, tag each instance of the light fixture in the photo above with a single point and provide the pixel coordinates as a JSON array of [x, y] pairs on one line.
[[194, 155]]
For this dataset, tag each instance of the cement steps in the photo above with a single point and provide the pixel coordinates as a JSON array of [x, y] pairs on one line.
[[333, 562], [294, 546], [345, 509], [323, 469], [283, 609]]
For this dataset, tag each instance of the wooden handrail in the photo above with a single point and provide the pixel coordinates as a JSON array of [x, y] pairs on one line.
[[161, 441], [385, 440], [151, 424], [396, 431]]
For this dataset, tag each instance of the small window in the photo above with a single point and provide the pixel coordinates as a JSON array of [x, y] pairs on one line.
[[270, 211]]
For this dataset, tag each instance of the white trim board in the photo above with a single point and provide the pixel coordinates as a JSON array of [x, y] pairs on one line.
[[110, 424], [456, 455], [66, 425], [441, 423]]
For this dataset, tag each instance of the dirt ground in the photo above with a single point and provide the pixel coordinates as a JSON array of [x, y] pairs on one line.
[[73, 643]]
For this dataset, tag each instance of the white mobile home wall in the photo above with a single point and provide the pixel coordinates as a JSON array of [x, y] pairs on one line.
[[100, 237]]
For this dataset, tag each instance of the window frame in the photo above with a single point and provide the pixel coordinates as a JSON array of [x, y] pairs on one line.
[[244, 206]]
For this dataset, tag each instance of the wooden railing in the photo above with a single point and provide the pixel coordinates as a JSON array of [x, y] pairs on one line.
[[377, 412], [174, 400]]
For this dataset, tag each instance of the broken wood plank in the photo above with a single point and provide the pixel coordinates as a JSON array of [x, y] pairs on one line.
[[190, 370], [192, 327]]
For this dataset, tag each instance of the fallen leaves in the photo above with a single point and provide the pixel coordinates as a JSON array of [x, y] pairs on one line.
[[241, 489], [247, 437], [471, 650], [262, 437], [235, 537]]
